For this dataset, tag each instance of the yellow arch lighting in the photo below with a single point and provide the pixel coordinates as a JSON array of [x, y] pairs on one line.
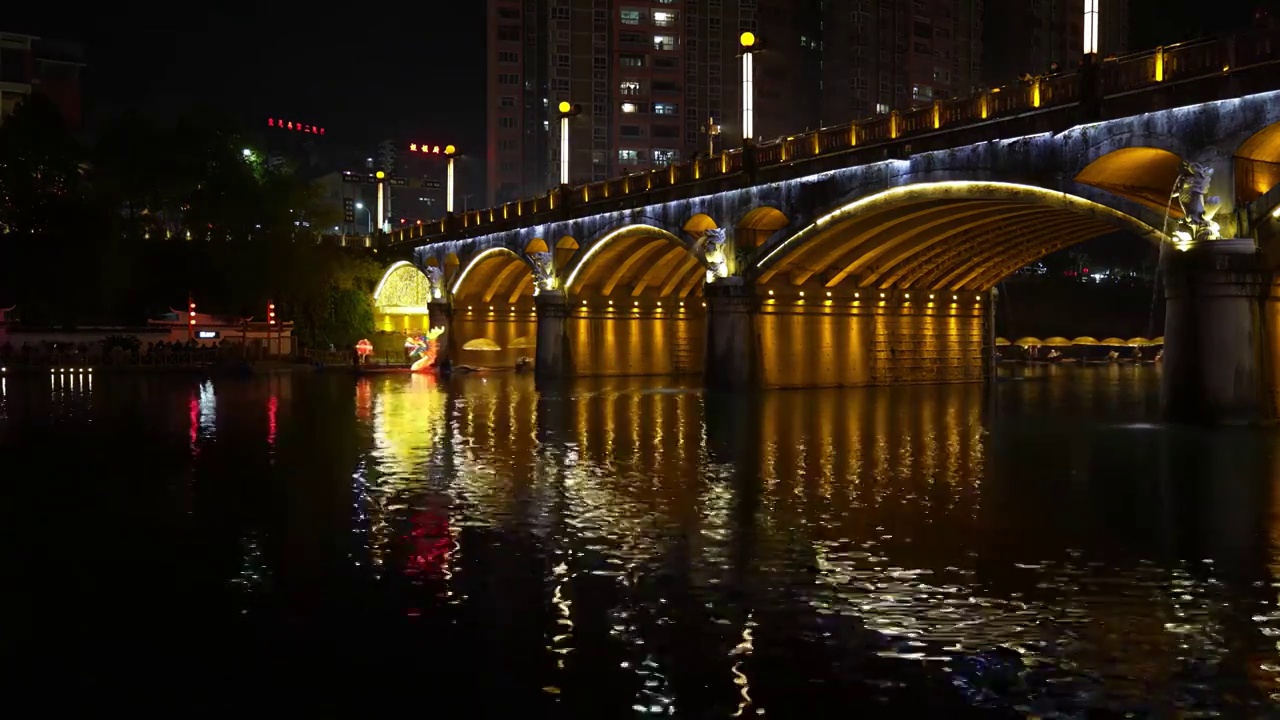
[[462, 276], [656, 231], [963, 190], [747, 39], [381, 283]]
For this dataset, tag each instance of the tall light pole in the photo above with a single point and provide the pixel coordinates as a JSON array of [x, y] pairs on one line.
[[1090, 29], [368, 215], [451, 152], [381, 207], [567, 110], [748, 46]]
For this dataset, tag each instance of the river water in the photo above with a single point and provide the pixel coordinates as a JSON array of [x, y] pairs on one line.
[[634, 547]]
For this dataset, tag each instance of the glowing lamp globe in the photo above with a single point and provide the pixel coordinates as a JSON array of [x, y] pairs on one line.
[[747, 39]]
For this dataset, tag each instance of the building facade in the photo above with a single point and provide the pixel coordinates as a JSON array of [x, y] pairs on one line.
[[1030, 36], [51, 67], [659, 81]]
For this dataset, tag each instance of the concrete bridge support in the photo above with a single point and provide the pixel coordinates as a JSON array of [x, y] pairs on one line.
[[733, 341], [551, 361], [1214, 333]]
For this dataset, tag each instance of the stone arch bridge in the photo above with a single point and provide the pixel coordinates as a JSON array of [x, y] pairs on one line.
[[830, 273]]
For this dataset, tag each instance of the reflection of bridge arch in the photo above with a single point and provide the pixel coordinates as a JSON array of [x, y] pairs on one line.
[[494, 273], [957, 235], [642, 260]]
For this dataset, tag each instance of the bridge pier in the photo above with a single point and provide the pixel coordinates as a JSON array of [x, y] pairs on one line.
[[551, 358], [1214, 333], [733, 342]]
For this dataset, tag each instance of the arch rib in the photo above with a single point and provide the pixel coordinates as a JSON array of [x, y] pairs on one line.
[[930, 246]]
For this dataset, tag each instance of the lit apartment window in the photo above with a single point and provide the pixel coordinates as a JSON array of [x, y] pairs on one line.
[[629, 87], [631, 60], [882, 109], [665, 109], [630, 16], [663, 156], [628, 107], [664, 18], [629, 156], [664, 42]]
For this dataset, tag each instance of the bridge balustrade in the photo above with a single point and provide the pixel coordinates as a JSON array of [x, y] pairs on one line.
[[1126, 74]]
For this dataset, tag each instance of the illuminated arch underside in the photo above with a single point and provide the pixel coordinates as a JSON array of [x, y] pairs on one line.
[[403, 290], [937, 240], [497, 275], [637, 262], [1257, 164], [1144, 175]]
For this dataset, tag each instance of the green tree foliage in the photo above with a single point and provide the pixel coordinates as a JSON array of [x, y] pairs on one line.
[[128, 229]]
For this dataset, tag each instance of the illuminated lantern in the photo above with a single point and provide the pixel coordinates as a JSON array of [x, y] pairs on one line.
[[191, 313], [271, 313]]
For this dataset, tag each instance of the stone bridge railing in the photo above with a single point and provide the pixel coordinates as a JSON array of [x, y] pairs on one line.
[[1140, 71]]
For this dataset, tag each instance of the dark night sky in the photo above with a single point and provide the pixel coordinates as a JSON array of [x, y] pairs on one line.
[[365, 71]]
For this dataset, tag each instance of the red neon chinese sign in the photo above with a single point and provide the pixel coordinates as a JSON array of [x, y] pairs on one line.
[[295, 126]]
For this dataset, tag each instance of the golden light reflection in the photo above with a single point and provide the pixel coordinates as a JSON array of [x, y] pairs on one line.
[[886, 493]]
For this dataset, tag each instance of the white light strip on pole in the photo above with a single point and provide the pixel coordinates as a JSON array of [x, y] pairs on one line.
[[448, 196], [1090, 27], [381, 216], [748, 98], [564, 150]]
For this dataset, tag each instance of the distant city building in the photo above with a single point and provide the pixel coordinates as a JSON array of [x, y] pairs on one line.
[[50, 67], [659, 80], [1029, 36]]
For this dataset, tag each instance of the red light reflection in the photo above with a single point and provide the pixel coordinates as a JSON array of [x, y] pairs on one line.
[[273, 404], [428, 544]]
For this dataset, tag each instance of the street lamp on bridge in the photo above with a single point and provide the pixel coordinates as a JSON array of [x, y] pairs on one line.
[[1090, 29], [567, 110], [748, 46]]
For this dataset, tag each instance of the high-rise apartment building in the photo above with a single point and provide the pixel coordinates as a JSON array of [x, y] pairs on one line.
[[1029, 36], [50, 67], [884, 55], [658, 79]]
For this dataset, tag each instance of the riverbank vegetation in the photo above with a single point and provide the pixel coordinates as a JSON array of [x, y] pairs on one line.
[[129, 228]]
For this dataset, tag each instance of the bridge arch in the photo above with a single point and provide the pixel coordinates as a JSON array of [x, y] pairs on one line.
[[758, 225], [1144, 175], [642, 260], [497, 274], [952, 235], [699, 224], [403, 290], [1257, 164]]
